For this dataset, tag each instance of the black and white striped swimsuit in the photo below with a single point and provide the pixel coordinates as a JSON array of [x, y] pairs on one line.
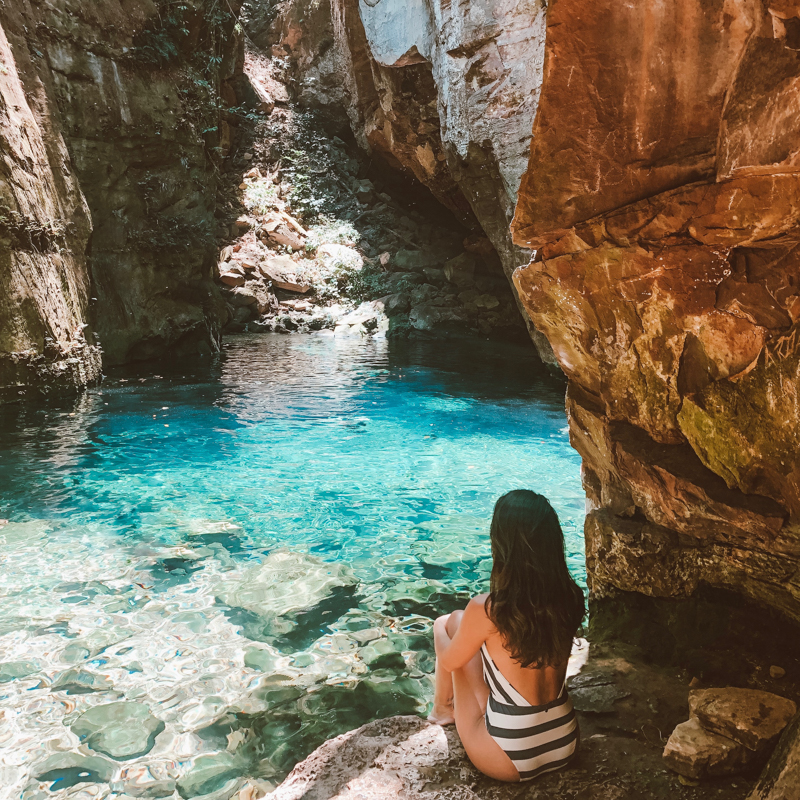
[[536, 738]]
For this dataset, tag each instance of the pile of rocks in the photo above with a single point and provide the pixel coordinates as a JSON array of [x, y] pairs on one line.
[[729, 730], [323, 247]]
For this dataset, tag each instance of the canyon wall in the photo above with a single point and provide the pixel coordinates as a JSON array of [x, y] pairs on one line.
[[445, 91], [44, 230], [662, 199], [111, 134]]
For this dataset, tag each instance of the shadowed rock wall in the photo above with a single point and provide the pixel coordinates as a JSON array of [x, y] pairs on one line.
[[110, 134], [44, 228], [662, 199]]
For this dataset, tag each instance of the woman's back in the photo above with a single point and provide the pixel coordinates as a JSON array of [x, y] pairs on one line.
[[538, 685]]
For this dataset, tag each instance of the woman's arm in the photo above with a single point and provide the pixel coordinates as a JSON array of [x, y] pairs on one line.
[[456, 651]]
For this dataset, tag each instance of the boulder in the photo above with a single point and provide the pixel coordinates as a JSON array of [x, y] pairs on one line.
[[242, 296], [394, 304], [697, 753], [461, 269], [427, 317], [750, 717], [415, 260], [383, 760], [339, 257], [780, 780]]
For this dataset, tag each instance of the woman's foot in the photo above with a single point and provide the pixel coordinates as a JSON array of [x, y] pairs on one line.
[[442, 715]]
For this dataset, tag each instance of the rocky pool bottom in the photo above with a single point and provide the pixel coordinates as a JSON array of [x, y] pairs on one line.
[[208, 572]]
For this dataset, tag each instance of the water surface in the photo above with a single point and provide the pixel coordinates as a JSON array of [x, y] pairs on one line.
[[253, 547]]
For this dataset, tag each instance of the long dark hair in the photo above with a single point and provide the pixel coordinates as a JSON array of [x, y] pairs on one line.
[[534, 602]]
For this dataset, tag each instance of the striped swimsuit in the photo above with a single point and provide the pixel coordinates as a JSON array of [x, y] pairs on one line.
[[537, 739]]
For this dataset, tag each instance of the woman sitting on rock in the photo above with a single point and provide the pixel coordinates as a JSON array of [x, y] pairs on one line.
[[501, 664]]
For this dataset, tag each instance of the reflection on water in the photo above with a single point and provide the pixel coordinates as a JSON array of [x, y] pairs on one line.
[[208, 572]]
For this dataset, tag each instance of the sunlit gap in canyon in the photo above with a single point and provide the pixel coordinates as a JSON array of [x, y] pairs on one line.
[[257, 543]]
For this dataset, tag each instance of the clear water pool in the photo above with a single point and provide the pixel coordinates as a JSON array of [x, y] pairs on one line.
[[206, 573]]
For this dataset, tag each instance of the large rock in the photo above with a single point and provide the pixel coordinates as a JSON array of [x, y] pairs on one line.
[[781, 777], [386, 759], [45, 227], [662, 202], [752, 718], [697, 753], [108, 181]]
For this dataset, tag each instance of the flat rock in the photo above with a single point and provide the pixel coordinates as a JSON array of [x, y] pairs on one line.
[[382, 760], [753, 718], [696, 753], [121, 730], [15, 670], [780, 780], [69, 769], [597, 699], [80, 681], [284, 582]]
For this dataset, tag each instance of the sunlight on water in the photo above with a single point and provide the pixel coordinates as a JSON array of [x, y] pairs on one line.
[[207, 573]]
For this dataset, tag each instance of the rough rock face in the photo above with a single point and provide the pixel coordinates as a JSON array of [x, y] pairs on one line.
[[444, 91], [662, 198], [780, 779], [44, 228], [108, 127]]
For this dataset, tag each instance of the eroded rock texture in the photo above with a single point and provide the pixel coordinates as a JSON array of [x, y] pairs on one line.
[[110, 134], [44, 228], [662, 198], [445, 91]]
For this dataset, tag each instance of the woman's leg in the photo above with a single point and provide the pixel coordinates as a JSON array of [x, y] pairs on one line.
[[468, 695], [442, 713]]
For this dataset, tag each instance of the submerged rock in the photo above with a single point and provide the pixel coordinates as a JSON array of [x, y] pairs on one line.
[[16, 670], [80, 681], [69, 769], [284, 582], [121, 730], [209, 773]]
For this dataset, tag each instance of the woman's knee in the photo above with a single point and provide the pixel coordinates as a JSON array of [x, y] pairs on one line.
[[453, 621]]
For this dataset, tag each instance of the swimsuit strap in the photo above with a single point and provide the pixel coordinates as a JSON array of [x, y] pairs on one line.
[[498, 684]]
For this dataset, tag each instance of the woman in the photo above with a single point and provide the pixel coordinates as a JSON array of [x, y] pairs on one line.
[[501, 663]]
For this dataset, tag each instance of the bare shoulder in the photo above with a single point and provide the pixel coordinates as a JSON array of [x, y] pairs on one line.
[[479, 601], [476, 610]]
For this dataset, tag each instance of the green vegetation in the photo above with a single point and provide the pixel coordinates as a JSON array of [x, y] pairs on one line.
[[194, 29], [261, 197], [328, 230]]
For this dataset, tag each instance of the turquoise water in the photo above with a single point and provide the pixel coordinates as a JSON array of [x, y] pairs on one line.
[[253, 547]]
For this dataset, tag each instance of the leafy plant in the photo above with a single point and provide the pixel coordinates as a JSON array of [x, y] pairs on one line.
[[261, 196], [328, 230]]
